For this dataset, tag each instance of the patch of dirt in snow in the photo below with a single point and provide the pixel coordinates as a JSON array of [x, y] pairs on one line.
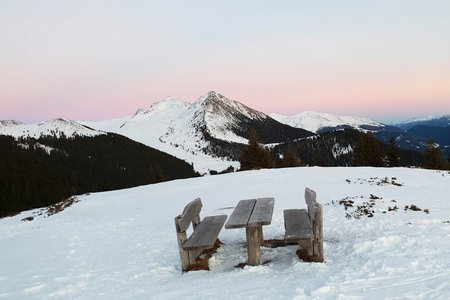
[[53, 209], [376, 181], [356, 207]]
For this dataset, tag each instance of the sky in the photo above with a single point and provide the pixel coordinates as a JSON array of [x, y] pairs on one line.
[[99, 59]]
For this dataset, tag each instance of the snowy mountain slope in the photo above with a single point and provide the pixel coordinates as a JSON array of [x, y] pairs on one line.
[[168, 126], [122, 244], [432, 121], [57, 127], [431, 127], [191, 131], [314, 121], [320, 122]]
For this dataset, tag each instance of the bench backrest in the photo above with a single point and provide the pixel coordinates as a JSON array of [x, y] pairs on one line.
[[191, 213], [310, 199]]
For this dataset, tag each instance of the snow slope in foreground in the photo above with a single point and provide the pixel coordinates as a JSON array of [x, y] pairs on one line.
[[122, 244]]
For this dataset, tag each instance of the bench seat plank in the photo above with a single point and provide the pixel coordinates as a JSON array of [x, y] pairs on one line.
[[241, 214], [297, 224], [262, 212], [205, 235]]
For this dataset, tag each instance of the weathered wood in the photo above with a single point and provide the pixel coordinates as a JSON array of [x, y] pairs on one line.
[[297, 225], [306, 227], [308, 246], [318, 235], [310, 199], [190, 212], [253, 245], [205, 234], [194, 254], [241, 214], [262, 212], [195, 221], [252, 214], [261, 236], [184, 255]]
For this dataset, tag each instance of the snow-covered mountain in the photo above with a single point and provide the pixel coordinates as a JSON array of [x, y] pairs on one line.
[[57, 127], [122, 244], [431, 127], [315, 121], [432, 121], [192, 131], [171, 126]]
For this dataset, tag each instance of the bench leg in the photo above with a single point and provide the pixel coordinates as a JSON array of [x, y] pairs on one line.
[[254, 235], [193, 254], [318, 236], [184, 255], [308, 246]]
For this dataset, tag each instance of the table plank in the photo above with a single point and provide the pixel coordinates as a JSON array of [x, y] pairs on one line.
[[262, 213], [241, 214]]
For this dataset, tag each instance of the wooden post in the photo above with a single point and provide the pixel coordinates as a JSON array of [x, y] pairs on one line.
[[253, 245], [318, 235], [261, 236], [184, 255]]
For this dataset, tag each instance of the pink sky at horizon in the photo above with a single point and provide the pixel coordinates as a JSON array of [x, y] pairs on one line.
[[93, 60]]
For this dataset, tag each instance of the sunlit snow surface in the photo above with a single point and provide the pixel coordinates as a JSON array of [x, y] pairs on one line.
[[122, 244]]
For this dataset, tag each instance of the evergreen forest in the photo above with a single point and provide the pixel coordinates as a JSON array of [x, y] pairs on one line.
[[40, 172]]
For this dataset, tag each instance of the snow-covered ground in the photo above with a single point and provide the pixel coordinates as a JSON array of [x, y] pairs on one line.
[[122, 244]]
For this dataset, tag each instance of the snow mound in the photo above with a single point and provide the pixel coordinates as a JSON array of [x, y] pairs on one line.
[[122, 244]]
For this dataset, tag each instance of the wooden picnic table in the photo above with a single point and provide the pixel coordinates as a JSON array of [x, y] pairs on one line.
[[252, 215]]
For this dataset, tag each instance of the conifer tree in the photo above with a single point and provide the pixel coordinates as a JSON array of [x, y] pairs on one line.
[[290, 157], [392, 154], [434, 158], [255, 156], [367, 151]]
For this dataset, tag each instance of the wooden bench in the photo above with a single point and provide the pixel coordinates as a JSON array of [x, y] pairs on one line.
[[305, 227], [204, 233]]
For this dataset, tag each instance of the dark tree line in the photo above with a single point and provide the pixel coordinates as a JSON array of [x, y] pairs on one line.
[[255, 155], [344, 147], [31, 176], [434, 158]]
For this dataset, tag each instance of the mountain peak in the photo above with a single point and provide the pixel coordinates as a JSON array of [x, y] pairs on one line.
[[211, 94], [161, 106]]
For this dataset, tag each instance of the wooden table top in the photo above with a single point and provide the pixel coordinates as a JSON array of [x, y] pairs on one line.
[[251, 213]]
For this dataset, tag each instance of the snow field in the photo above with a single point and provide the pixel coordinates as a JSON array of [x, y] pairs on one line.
[[122, 244]]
